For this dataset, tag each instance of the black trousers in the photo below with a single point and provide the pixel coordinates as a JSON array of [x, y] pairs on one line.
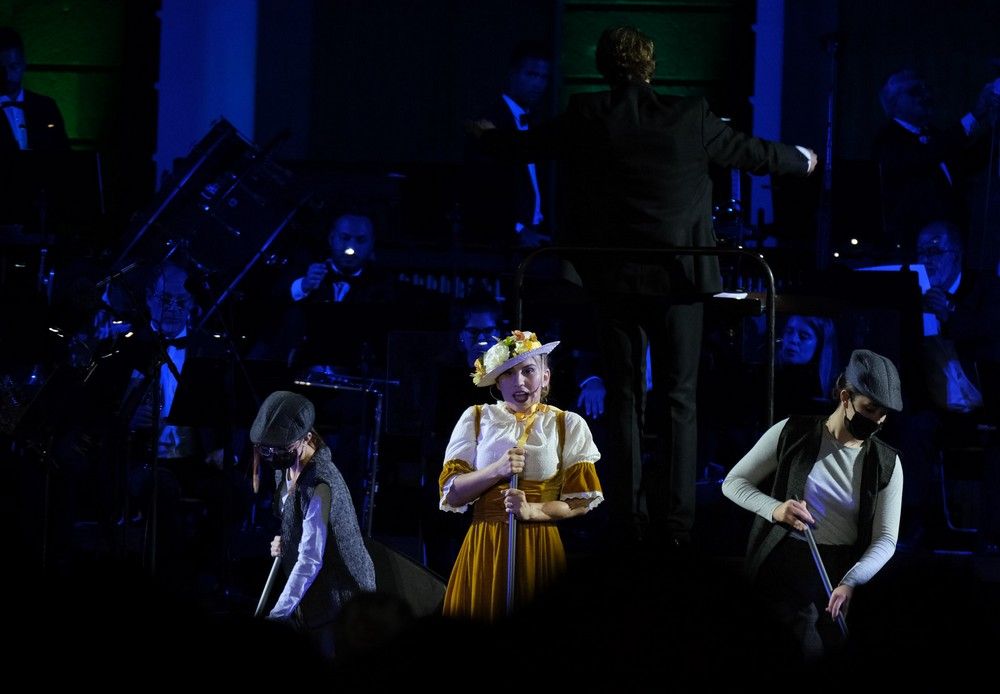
[[673, 331], [790, 586]]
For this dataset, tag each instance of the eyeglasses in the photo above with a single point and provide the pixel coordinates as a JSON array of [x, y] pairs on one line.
[[271, 451], [280, 457], [172, 300]]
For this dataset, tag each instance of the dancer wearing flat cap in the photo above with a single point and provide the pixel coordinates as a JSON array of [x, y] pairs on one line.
[[322, 551], [834, 475]]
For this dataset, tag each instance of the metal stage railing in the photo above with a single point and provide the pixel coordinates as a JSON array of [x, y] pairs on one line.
[[571, 252]]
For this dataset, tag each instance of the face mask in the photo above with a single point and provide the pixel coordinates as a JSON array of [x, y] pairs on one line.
[[859, 426], [278, 458]]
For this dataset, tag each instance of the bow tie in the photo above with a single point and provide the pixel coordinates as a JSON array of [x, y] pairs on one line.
[[12, 104], [178, 342]]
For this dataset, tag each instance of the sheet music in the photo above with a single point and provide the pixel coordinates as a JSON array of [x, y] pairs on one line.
[[931, 324]]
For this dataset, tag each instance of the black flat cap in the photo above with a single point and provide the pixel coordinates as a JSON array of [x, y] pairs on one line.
[[873, 375], [284, 417]]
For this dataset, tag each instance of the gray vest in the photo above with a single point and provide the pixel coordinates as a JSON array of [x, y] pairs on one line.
[[347, 567]]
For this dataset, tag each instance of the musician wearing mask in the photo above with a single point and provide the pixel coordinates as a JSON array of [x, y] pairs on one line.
[[835, 475]]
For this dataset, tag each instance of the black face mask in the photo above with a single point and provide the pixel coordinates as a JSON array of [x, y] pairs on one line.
[[859, 426], [278, 458]]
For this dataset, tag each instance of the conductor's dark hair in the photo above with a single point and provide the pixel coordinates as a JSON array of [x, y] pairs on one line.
[[625, 54]]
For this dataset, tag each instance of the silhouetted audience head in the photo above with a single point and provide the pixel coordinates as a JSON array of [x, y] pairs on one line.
[[625, 54], [905, 95], [939, 249], [150, 629], [528, 74], [352, 242]]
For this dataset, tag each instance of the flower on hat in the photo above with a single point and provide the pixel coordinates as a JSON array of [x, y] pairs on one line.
[[480, 371], [523, 342], [517, 343]]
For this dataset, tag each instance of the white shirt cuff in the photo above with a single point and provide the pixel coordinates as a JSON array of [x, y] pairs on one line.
[[805, 153]]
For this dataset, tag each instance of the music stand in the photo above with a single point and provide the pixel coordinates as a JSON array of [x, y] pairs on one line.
[[38, 188], [29, 412], [204, 394], [205, 399], [377, 387], [260, 378]]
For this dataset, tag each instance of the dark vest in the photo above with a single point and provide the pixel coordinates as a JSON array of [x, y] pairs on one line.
[[798, 451]]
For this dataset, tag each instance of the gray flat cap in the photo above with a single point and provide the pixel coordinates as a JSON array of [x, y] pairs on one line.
[[873, 375], [283, 417]]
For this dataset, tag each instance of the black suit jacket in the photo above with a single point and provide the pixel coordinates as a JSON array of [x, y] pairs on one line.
[[975, 322], [372, 286], [915, 189], [368, 306], [496, 193], [637, 171], [46, 130]]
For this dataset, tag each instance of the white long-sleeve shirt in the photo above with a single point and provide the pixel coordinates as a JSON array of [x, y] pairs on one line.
[[309, 561], [832, 496]]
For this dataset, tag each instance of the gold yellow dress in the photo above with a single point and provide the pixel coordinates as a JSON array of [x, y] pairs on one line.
[[559, 464]]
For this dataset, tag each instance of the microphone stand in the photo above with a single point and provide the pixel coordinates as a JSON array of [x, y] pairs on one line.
[[824, 221], [152, 528], [162, 358], [372, 486]]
